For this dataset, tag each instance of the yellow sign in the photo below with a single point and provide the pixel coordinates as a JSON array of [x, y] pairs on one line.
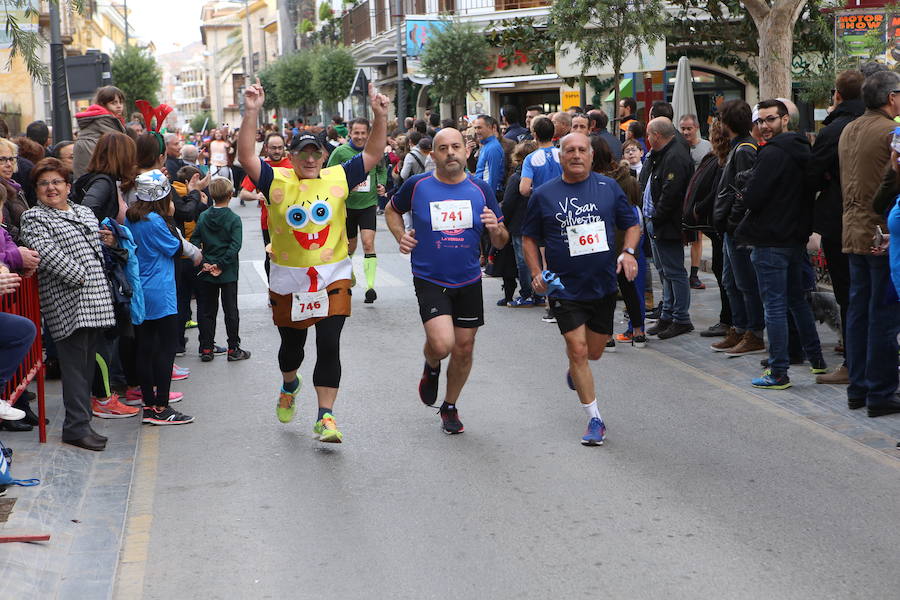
[[570, 99]]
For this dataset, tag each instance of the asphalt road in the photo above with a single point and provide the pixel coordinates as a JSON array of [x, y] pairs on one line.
[[703, 490]]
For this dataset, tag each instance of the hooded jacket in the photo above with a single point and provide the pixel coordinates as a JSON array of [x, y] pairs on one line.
[[777, 196], [92, 123], [219, 234], [825, 170]]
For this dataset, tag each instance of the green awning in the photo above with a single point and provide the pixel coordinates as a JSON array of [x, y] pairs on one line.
[[626, 89]]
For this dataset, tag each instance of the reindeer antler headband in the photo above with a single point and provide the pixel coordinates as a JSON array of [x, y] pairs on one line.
[[150, 113]]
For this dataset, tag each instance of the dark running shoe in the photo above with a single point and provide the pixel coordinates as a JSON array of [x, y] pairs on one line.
[[696, 284], [218, 350], [428, 385], [165, 416], [207, 355], [450, 422], [237, 354], [371, 296]]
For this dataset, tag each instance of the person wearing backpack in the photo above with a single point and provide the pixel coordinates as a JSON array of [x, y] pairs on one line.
[[416, 161], [110, 173], [738, 274]]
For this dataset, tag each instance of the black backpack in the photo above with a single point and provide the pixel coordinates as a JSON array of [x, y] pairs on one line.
[[700, 197]]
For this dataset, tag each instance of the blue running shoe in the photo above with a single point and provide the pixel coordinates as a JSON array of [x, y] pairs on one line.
[[539, 300], [768, 381], [521, 302], [595, 434], [569, 381]]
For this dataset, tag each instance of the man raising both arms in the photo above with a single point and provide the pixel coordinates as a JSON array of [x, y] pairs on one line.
[[362, 202], [450, 209], [309, 283], [576, 215]]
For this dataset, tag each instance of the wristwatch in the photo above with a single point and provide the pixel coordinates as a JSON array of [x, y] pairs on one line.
[[628, 250]]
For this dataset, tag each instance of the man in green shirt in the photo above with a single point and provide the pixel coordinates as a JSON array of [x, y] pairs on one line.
[[362, 202]]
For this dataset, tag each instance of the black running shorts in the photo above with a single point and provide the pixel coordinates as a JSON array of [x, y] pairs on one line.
[[464, 304], [596, 314], [361, 218]]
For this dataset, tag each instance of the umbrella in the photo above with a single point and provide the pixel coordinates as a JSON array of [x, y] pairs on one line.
[[683, 94]]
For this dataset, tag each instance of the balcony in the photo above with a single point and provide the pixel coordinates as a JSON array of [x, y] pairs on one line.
[[356, 26], [519, 4]]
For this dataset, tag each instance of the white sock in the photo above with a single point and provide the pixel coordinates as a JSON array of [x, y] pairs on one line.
[[592, 410]]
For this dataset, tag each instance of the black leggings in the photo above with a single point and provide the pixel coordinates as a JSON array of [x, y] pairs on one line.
[[327, 372], [632, 301], [156, 341]]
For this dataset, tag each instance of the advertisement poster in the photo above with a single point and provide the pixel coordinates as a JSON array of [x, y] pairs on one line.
[[417, 34]]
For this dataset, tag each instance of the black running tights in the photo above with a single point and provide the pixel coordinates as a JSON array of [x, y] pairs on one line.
[[327, 372]]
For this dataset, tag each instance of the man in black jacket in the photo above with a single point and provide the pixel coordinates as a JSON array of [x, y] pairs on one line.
[[777, 225], [738, 274], [825, 177], [664, 178]]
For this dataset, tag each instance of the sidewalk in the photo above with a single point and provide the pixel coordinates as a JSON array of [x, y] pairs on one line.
[[822, 404], [81, 502]]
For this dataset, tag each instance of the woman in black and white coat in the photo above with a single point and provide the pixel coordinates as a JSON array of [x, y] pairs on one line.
[[75, 298]]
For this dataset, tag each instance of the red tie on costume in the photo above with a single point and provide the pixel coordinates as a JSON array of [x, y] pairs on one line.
[[313, 279]]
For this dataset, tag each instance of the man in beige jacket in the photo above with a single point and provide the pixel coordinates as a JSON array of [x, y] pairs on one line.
[[873, 321]]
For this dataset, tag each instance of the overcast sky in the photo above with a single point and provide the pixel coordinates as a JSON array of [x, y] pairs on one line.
[[170, 24]]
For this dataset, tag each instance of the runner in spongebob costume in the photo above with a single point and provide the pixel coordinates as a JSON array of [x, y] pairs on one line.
[[309, 283]]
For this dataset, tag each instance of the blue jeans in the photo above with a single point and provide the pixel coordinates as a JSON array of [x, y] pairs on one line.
[[16, 335], [872, 325], [668, 256], [739, 278], [780, 272], [524, 273]]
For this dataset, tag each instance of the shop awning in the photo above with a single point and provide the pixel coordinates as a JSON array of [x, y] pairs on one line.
[[626, 89]]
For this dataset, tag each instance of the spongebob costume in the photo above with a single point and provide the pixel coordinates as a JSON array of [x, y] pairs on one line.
[[311, 270]]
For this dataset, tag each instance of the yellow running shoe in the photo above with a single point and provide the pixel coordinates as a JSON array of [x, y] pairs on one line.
[[327, 430], [287, 404]]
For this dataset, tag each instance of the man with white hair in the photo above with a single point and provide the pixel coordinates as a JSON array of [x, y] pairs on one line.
[[173, 155], [669, 168]]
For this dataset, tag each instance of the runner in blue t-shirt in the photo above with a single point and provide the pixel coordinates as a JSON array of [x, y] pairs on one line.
[[450, 210], [576, 216]]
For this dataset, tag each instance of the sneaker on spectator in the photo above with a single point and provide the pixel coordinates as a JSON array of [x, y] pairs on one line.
[[731, 340], [611, 345], [237, 353], [190, 324], [654, 313], [661, 325], [548, 317], [134, 397], [521, 302], [219, 350], [111, 408], [639, 341], [769, 382], [164, 416], [179, 375], [624, 337], [717, 330], [184, 370], [206, 355], [8, 413], [750, 344], [696, 284], [540, 300]]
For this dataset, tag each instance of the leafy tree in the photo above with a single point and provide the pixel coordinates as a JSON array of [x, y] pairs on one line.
[[726, 33], [606, 32], [332, 74], [455, 58], [293, 80], [135, 72], [26, 43], [201, 118]]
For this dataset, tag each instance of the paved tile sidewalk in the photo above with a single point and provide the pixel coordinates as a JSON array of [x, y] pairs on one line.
[[81, 502]]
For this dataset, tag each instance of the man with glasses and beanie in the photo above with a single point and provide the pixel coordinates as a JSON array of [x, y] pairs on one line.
[[873, 319], [309, 282]]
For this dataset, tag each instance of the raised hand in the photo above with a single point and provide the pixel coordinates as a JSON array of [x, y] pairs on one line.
[[255, 96], [379, 102]]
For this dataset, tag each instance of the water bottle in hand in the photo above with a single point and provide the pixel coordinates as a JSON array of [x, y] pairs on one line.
[[554, 283]]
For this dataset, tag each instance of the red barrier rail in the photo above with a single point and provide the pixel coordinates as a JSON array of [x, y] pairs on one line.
[[24, 302]]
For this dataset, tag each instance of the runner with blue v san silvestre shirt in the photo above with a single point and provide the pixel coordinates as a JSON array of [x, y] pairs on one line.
[[576, 216], [450, 210]]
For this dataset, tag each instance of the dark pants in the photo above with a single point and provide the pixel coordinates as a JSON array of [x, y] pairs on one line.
[[839, 271], [780, 274], [266, 240], [633, 291], [16, 336], [524, 273], [327, 372], [208, 309], [872, 325], [156, 344], [76, 363], [185, 281], [718, 258], [742, 287]]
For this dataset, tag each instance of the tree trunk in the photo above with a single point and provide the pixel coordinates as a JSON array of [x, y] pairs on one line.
[[776, 50], [614, 118]]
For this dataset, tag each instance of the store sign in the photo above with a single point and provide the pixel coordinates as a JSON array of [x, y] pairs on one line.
[[570, 99], [417, 33]]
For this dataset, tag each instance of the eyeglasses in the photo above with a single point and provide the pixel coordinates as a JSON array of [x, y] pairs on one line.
[[768, 120], [7, 159], [305, 154], [53, 182]]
